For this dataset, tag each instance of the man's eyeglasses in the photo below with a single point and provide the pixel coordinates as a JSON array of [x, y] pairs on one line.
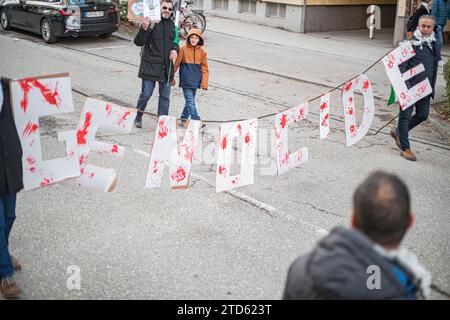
[[426, 26], [167, 8]]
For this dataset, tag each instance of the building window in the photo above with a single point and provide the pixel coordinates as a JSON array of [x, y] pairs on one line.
[[221, 4], [247, 6], [198, 3], [276, 10]]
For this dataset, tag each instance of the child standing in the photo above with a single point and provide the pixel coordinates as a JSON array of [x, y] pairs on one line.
[[193, 63]]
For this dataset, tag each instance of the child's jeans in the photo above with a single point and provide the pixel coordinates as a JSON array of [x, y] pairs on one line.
[[189, 106]]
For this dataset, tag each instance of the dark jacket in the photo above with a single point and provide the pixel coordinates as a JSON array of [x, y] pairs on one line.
[[337, 269], [193, 63], [430, 58], [413, 21], [11, 178], [157, 42]]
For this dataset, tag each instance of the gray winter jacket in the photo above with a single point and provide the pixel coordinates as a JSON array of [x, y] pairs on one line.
[[338, 269]]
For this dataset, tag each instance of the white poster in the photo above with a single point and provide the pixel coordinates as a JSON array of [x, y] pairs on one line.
[[37, 97], [406, 97], [354, 133], [100, 114], [324, 116], [152, 10], [285, 159], [165, 152], [228, 131]]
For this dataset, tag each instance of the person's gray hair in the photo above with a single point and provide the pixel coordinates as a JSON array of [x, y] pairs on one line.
[[428, 16]]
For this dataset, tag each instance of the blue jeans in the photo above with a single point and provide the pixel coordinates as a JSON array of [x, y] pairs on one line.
[[439, 36], [7, 217], [147, 90], [189, 106], [406, 122]]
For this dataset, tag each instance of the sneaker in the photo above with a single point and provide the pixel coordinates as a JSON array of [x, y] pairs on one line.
[[16, 264], [394, 134], [9, 288], [408, 155], [138, 123]]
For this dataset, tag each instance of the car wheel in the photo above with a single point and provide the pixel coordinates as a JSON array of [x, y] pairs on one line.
[[47, 32], [105, 35], [4, 20]]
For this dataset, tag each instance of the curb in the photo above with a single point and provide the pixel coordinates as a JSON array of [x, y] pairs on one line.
[[122, 36]]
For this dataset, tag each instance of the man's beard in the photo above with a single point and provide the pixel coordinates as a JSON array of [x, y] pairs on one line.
[[165, 15]]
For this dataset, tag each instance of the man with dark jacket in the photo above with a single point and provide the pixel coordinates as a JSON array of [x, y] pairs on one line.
[[365, 262], [11, 182], [158, 52], [427, 51], [413, 21]]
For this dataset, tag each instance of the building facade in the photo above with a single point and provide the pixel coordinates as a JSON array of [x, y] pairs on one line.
[[303, 15]]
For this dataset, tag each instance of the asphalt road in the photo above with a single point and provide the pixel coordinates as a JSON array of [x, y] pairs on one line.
[[137, 243]]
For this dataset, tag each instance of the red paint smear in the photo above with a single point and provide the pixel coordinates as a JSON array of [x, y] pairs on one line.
[[115, 149], [108, 109], [179, 175], [350, 111], [348, 86], [51, 97], [124, 117], [302, 112], [223, 144], [247, 138], [366, 85], [188, 154], [239, 129], [155, 166], [283, 120], [30, 129], [350, 99], [163, 130], [31, 160], [45, 182], [325, 119], [81, 133], [323, 106], [222, 170], [352, 128], [82, 159], [285, 159]]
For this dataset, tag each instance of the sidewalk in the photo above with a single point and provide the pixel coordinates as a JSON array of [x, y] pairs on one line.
[[348, 44]]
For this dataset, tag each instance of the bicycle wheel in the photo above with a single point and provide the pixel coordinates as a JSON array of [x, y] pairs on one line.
[[202, 16], [191, 21]]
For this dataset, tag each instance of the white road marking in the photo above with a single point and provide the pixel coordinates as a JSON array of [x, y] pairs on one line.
[[259, 204], [103, 48]]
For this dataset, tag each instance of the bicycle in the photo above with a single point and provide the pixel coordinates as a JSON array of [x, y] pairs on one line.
[[190, 18]]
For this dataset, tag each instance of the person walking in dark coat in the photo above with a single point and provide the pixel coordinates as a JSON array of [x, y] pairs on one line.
[[159, 48], [427, 51], [366, 261], [11, 182], [413, 21]]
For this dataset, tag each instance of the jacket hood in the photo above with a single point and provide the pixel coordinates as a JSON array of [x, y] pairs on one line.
[[339, 266], [198, 33]]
